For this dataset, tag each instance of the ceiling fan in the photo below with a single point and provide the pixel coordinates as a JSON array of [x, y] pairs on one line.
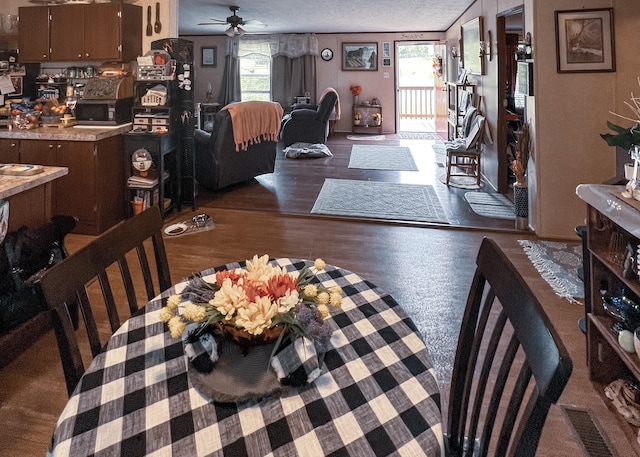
[[235, 22]]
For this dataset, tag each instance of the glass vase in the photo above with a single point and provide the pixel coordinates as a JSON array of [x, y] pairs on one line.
[[633, 184], [356, 100]]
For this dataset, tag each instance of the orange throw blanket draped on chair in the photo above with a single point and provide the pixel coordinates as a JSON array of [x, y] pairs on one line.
[[254, 121]]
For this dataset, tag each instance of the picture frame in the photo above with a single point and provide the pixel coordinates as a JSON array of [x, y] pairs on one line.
[[585, 41], [359, 56], [17, 85], [209, 56], [472, 34]]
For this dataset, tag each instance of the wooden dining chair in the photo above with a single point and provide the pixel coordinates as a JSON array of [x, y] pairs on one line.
[[510, 364], [74, 283], [463, 156]]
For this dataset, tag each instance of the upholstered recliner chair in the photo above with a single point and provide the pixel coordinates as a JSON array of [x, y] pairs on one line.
[[308, 125], [222, 159]]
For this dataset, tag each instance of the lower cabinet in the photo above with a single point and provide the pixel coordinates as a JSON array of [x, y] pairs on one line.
[[92, 189], [9, 150]]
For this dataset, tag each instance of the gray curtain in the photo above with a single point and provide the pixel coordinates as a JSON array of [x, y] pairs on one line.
[[291, 77], [293, 67], [230, 85]]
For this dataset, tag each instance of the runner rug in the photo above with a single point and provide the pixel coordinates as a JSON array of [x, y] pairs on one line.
[[379, 200], [558, 264], [492, 205], [366, 137], [374, 157]]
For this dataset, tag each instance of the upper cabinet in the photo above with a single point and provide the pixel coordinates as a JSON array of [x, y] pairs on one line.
[[89, 32]]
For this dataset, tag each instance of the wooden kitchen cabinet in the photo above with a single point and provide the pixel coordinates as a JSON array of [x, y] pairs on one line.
[[91, 191], [9, 150], [84, 32], [33, 34]]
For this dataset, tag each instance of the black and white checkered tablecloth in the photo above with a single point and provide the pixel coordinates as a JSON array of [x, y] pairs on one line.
[[377, 394]]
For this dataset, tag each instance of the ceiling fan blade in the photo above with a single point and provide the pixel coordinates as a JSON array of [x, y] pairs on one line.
[[212, 23], [254, 23]]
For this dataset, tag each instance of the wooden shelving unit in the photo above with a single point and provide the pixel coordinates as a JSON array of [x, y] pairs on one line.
[[367, 124]]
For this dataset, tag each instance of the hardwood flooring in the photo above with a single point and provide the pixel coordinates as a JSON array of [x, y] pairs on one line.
[[421, 265]]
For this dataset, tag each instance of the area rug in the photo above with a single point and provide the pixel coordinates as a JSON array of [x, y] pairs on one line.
[[558, 263], [492, 205], [374, 157], [461, 182], [366, 137], [439, 148], [418, 136], [379, 200]]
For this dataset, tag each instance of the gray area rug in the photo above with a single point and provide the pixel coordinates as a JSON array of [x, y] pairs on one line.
[[366, 137], [461, 182], [418, 136], [558, 263], [379, 200], [492, 205], [374, 157]]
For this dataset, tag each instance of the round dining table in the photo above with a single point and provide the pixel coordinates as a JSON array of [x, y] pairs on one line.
[[376, 396]]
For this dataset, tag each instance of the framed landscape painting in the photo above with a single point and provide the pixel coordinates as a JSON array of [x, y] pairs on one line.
[[360, 56], [584, 41], [472, 34]]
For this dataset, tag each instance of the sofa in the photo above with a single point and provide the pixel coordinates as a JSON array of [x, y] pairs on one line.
[[221, 159]]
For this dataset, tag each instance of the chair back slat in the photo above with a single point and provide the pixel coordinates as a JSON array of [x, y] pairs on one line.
[[510, 364], [73, 282]]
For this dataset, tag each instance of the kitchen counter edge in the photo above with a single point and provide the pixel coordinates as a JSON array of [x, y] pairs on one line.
[[86, 133]]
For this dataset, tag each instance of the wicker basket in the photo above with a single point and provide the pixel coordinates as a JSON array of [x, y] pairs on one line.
[[244, 338]]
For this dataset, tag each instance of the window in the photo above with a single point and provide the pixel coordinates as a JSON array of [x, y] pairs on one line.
[[255, 70]]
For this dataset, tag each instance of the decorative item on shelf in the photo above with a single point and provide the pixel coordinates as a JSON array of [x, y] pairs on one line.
[[628, 138], [256, 305], [437, 66], [376, 119], [357, 118], [355, 91], [375, 102], [625, 312]]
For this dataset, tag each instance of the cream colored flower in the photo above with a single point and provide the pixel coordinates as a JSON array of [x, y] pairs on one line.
[[173, 301], [319, 264], [176, 326], [229, 298], [288, 301], [259, 269], [165, 314], [310, 290], [335, 300], [323, 310], [335, 290], [257, 316], [193, 312], [323, 298]]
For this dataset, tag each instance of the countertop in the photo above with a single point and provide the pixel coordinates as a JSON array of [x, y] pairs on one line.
[[608, 201], [75, 133], [12, 185]]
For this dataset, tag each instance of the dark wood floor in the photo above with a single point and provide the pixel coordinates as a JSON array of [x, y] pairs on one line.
[[429, 268]]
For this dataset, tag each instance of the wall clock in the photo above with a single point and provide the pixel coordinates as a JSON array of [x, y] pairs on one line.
[[326, 54]]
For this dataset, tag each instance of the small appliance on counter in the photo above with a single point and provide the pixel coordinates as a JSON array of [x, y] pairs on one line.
[[106, 101]]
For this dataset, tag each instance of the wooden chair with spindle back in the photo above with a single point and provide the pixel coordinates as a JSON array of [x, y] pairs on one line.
[[510, 364], [65, 285]]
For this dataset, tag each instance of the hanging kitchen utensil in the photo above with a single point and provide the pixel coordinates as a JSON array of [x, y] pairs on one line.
[[157, 26], [149, 26]]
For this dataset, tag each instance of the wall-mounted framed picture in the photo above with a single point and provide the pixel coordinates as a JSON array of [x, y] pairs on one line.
[[584, 41], [386, 62], [359, 56], [209, 56], [386, 49], [472, 34]]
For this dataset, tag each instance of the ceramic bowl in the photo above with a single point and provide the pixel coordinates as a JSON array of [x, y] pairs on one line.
[[636, 340]]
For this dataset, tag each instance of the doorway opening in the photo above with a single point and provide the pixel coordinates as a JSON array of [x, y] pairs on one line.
[[415, 86], [512, 106]]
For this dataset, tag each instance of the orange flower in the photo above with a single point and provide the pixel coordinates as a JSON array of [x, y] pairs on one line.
[[278, 286], [224, 274], [355, 90]]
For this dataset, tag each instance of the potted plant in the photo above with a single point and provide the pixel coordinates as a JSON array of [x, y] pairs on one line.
[[377, 119], [355, 91], [357, 118]]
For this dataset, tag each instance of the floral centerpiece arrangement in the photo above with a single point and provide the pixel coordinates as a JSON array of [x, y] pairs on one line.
[[355, 90], [258, 304], [377, 118]]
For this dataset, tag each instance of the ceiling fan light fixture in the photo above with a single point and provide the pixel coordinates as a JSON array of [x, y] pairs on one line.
[[240, 30], [229, 32]]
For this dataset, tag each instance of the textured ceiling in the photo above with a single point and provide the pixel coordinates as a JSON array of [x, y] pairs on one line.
[[324, 16]]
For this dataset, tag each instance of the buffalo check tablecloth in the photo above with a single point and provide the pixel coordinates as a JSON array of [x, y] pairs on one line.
[[377, 394]]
